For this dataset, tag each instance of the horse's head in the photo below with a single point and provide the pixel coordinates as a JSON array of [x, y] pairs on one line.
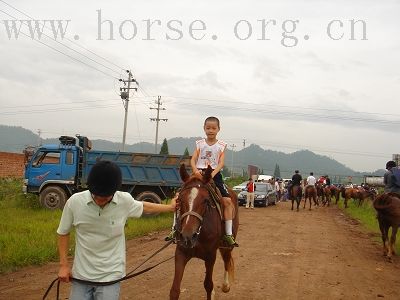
[[193, 201]]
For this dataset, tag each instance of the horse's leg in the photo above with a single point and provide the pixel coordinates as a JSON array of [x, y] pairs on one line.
[[208, 282], [180, 263], [393, 241], [298, 200], [292, 202], [229, 267], [384, 234], [305, 201]]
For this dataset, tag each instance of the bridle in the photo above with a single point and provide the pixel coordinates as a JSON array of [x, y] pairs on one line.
[[181, 217]]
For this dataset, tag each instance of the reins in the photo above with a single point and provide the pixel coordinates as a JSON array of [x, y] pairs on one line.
[[131, 274]]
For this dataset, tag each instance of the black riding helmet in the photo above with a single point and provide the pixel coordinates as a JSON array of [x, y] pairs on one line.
[[104, 178], [390, 164]]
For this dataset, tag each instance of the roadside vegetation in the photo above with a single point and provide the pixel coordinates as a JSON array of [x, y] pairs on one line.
[[28, 231]]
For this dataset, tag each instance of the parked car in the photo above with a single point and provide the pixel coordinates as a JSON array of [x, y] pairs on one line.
[[264, 195], [240, 187]]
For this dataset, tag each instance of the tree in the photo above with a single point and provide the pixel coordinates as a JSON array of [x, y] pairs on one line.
[[186, 153], [164, 147], [277, 172]]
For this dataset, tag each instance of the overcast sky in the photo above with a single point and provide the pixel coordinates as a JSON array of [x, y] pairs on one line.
[[286, 75]]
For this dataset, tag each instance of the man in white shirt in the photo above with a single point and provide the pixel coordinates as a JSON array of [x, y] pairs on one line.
[[98, 216], [311, 179]]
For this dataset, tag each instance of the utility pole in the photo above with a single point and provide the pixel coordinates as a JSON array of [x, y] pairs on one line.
[[157, 119], [244, 143], [233, 148], [125, 101]]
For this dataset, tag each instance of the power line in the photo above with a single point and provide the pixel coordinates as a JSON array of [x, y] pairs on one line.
[[55, 110], [58, 103], [231, 100], [66, 46], [298, 114], [61, 52], [73, 42]]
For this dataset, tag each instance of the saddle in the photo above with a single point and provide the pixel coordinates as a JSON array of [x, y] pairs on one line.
[[215, 196]]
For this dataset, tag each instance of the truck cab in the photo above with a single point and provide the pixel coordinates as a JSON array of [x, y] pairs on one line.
[[49, 173]]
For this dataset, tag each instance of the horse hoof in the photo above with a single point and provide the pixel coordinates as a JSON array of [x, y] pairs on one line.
[[226, 288]]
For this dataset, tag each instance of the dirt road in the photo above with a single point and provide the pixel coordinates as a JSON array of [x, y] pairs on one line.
[[318, 254]]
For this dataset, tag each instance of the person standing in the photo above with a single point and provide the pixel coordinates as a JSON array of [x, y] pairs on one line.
[[99, 215], [278, 189], [250, 187], [389, 179]]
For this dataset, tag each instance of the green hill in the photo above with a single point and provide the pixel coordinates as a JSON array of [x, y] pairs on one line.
[[15, 139]]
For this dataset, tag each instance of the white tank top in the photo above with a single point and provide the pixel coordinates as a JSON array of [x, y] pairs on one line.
[[209, 155]]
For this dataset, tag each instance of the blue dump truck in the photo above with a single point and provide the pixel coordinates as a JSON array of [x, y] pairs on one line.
[[55, 172]]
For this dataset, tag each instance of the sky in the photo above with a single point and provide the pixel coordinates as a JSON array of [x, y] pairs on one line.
[[286, 75]]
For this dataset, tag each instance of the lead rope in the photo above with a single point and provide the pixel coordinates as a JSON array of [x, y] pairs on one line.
[[128, 276]]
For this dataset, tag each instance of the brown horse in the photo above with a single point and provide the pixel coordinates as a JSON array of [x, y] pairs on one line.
[[388, 207], [296, 194], [320, 192], [335, 192], [310, 193], [326, 200], [200, 228], [357, 194]]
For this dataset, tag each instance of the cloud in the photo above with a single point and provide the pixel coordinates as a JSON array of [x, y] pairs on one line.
[[210, 79], [269, 71]]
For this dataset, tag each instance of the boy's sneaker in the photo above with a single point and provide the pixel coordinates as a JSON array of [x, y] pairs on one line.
[[171, 236], [230, 240]]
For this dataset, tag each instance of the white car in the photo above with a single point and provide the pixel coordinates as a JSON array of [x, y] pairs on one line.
[[240, 187]]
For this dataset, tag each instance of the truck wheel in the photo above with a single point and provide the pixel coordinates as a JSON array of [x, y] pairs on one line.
[[149, 197], [53, 197]]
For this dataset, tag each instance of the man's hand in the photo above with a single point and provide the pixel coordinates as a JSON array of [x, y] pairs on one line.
[[64, 273], [175, 202]]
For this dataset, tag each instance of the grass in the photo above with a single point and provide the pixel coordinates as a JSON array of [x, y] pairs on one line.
[[366, 215], [28, 231]]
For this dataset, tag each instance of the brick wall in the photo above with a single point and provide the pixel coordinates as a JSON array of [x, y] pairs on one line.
[[11, 165]]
